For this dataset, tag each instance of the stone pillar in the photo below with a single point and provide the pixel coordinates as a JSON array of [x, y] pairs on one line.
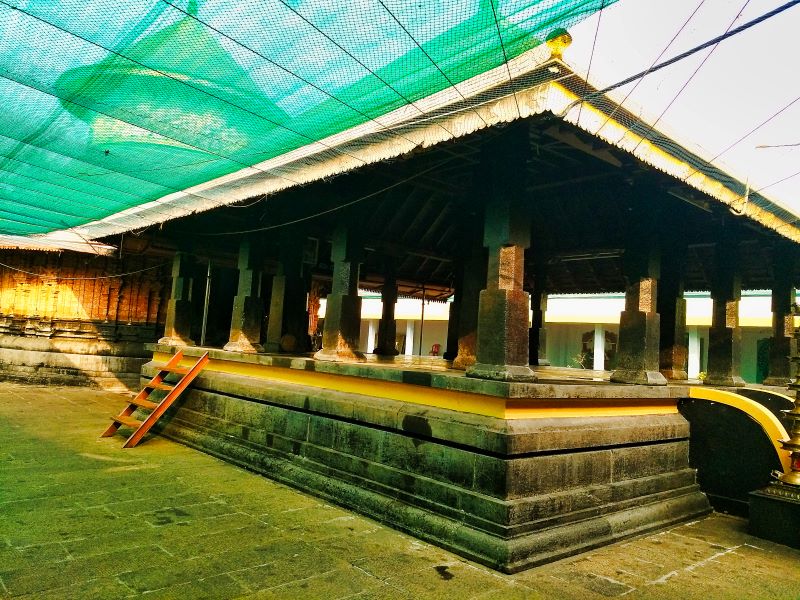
[[637, 354], [472, 283], [179, 308], [724, 335], [783, 297], [537, 335], [248, 310], [287, 329], [502, 340], [454, 313], [671, 304], [340, 337], [387, 326]]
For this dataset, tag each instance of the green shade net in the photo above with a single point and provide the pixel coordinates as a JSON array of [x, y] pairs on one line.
[[108, 105]]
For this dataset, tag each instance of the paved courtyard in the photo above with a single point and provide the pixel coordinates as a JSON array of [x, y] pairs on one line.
[[82, 518]]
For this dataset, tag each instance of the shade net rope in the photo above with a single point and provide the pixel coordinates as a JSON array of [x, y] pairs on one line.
[[109, 105]]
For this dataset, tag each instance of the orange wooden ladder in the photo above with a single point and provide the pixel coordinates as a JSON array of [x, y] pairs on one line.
[[157, 408]]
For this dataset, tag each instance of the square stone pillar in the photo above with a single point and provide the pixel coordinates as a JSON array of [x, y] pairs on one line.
[[287, 328], [179, 308], [673, 354], [502, 340], [724, 335], [637, 351], [387, 326], [453, 313], [467, 323], [342, 330], [537, 335], [783, 298], [248, 309]]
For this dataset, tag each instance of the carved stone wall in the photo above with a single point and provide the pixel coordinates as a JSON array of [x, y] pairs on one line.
[[75, 318]]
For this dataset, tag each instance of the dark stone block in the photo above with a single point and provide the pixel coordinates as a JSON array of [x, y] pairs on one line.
[[417, 377], [644, 461], [510, 494], [549, 473], [775, 514]]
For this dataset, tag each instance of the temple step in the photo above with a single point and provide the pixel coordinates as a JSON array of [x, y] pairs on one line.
[[156, 408]]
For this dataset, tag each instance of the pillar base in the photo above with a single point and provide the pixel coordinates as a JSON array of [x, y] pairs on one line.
[[176, 341], [501, 372], [389, 352], [675, 374], [638, 377], [543, 362], [243, 346], [462, 363], [777, 381], [336, 355], [726, 381], [466, 353]]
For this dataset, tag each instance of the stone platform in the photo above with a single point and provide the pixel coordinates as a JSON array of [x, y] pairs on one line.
[[508, 474]]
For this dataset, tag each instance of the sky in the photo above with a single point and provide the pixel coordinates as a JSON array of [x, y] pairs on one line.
[[745, 80]]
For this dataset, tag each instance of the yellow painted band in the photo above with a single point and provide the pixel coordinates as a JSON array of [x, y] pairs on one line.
[[769, 423], [480, 404]]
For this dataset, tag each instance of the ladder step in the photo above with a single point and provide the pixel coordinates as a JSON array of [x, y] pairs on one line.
[[160, 386], [178, 370], [144, 403], [129, 421], [157, 409]]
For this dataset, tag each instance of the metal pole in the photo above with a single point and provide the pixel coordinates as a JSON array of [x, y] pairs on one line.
[[205, 305], [422, 319]]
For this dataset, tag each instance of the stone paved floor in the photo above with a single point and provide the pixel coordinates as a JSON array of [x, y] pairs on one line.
[[82, 518]]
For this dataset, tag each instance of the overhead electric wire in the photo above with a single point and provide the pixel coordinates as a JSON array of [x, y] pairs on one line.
[[360, 62], [591, 56], [505, 56], [335, 208], [116, 118], [745, 136], [653, 64], [44, 276], [429, 57], [598, 93], [60, 174], [173, 189], [652, 125], [764, 146], [182, 81], [756, 128], [792, 176], [284, 68]]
